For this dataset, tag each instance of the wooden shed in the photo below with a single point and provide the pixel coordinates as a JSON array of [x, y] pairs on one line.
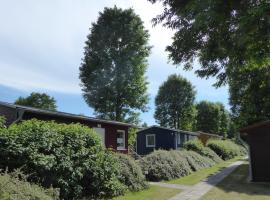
[[113, 134], [157, 137], [258, 138]]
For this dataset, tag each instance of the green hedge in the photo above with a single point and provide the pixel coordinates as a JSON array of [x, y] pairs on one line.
[[69, 157], [226, 149], [14, 187], [197, 146], [164, 165], [131, 173], [196, 161]]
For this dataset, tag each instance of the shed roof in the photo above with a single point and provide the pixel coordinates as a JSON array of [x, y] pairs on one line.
[[171, 129], [251, 128], [209, 134], [63, 114]]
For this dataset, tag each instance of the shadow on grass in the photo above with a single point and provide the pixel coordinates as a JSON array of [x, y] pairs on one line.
[[238, 182]]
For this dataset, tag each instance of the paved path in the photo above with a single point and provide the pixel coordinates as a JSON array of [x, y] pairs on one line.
[[175, 186], [197, 191]]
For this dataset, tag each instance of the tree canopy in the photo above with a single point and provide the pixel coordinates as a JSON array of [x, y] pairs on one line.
[[250, 95], [113, 69], [174, 103], [38, 100], [212, 118], [223, 35]]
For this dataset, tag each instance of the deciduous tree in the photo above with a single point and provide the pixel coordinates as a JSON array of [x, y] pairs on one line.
[[174, 103], [38, 100], [114, 64], [223, 35]]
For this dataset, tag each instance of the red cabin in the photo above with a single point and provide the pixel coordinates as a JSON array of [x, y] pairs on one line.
[[113, 134]]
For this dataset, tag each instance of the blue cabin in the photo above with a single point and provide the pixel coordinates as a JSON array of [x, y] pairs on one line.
[[156, 137]]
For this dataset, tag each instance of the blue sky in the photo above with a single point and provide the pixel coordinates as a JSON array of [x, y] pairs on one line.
[[41, 47]]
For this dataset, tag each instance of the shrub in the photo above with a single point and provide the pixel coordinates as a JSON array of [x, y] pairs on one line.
[[197, 146], [2, 122], [196, 161], [131, 173], [164, 165], [69, 157], [14, 187], [226, 149]]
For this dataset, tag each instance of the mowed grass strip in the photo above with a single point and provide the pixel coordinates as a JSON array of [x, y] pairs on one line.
[[200, 175], [153, 193], [237, 187]]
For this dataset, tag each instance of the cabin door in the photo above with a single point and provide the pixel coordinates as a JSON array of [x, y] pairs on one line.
[[101, 133]]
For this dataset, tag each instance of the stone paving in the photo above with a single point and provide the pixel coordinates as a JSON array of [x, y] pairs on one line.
[[197, 191]]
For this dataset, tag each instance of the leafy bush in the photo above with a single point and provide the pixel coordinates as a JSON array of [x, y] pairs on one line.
[[197, 146], [69, 157], [226, 149], [14, 187], [164, 165], [196, 161], [131, 173], [2, 122]]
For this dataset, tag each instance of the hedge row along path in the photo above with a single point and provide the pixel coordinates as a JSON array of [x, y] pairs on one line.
[[197, 191]]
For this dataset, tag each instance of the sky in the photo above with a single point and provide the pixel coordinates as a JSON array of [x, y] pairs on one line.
[[41, 47]]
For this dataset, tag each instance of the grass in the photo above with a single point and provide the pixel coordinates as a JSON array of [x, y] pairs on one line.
[[198, 176], [154, 192], [237, 187]]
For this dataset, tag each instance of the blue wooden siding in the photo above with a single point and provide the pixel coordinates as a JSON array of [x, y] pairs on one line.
[[166, 139]]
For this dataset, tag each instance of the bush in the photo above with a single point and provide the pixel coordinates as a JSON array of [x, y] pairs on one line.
[[131, 173], [226, 149], [164, 165], [196, 161], [14, 187], [197, 146], [2, 122], [69, 157]]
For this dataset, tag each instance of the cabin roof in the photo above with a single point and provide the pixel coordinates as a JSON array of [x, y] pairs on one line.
[[250, 128], [63, 114]]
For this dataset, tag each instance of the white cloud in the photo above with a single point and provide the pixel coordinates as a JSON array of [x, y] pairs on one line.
[[42, 45]]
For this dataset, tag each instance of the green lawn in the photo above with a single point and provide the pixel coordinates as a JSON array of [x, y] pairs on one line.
[[237, 187], [153, 193], [198, 176]]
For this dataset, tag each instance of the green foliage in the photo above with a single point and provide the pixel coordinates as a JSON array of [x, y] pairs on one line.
[[224, 35], [131, 173], [132, 136], [14, 186], [226, 149], [174, 103], [212, 118], [197, 146], [114, 64], [38, 100], [69, 157], [164, 165], [249, 95], [2, 122], [196, 161]]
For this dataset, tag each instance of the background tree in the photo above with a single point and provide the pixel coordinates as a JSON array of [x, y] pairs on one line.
[[250, 95], [38, 100], [174, 103], [212, 118], [114, 65], [224, 35]]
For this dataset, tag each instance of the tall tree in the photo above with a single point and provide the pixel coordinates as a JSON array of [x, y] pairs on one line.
[[250, 95], [224, 35], [174, 103], [114, 65], [212, 118], [38, 100]]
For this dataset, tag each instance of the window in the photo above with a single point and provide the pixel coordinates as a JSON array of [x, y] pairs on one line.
[[120, 139], [150, 140], [178, 138]]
